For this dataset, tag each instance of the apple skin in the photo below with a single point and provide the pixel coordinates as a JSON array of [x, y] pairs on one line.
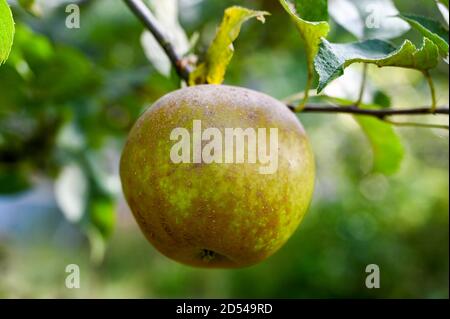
[[216, 215]]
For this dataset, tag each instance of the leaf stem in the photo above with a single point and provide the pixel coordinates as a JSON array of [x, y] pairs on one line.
[[309, 83], [363, 85], [432, 90]]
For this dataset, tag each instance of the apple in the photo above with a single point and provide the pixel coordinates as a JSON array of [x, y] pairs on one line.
[[218, 176]]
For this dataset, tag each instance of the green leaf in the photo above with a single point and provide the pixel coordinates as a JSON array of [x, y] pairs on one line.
[[221, 50], [431, 29], [28, 5], [102, 215], [40, 62], [387, 148], [99, 224], [316, 10], [100, 221], [382, 99], [6, 30], [386, 145], [332, 58], [444, 2], [13, 180], [310, 31]]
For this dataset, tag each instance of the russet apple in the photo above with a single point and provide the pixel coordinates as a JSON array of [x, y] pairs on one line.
[[218, 176]]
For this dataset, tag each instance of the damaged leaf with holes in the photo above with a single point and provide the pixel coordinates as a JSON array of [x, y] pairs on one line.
[[433, 30], [334, 58]]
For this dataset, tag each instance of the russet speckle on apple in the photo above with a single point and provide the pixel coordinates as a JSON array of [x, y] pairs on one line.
[[206, 196]]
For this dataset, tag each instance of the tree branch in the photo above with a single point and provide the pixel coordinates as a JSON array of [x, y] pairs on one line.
[[183, 70], [144, 14], [379, 113]]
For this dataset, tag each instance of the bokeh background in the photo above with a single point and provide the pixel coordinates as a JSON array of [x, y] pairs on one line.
[[68, 97]]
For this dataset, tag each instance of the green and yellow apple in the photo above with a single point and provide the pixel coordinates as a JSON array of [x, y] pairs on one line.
[[218, 176]]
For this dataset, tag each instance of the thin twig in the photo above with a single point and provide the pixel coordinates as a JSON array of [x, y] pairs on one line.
[[148, 19]]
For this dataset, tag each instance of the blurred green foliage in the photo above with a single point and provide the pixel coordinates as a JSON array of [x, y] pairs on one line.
[[68, 98]]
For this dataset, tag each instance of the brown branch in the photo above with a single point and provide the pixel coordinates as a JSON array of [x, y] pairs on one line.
[[378, 113], [144, 14], [147, 18]]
